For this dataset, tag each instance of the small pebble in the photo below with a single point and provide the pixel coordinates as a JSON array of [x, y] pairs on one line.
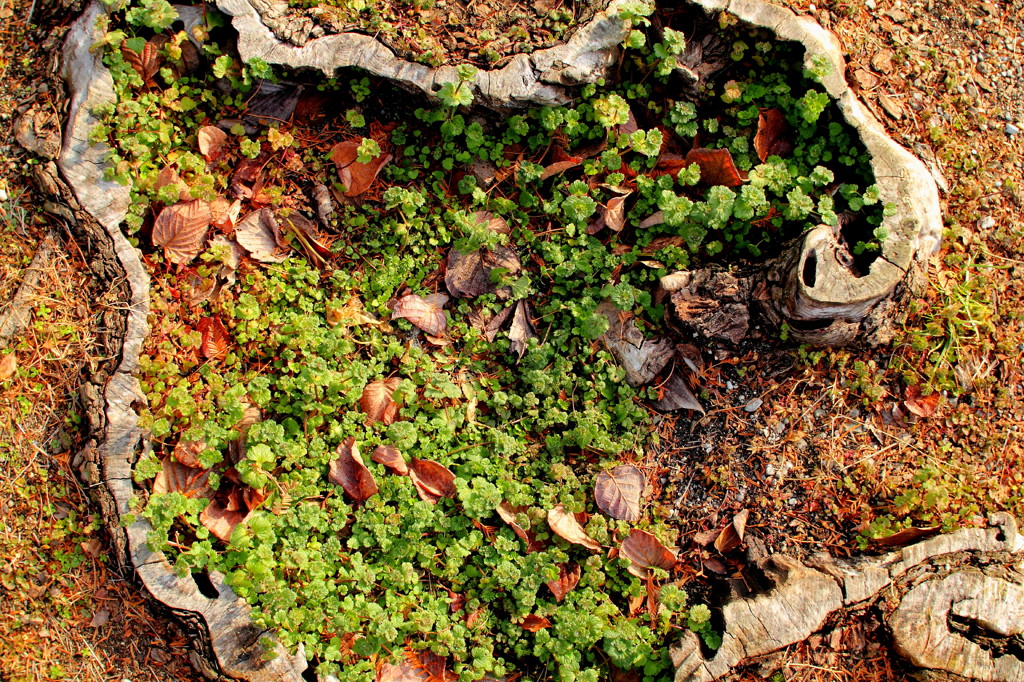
[[753, 405], [1011, 129], [870, 4], [986, 223]]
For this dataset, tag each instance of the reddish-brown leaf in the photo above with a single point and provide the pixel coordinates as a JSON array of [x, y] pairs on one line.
[[168, 175], [175, 477], [356, 177], [568, 579], [770, 139], [8, 366], [376, 401], [568, 527], [644, 552], [181, 228], [432, 480], [187, 452], [426, 312], [350, 473], [618, 492], [215, 338], [923, 406], [224, 213], [559, 167], [906, 536], [146, 64], [389, 456], [211, 142], [731, 536], [716, 167], [221, 520], [534, 623], [508, 514]]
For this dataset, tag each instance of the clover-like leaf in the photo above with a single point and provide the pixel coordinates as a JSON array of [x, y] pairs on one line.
[[644, 552], [348, 471], [181, 228], [377, 403], [426, 312], [618, 492], [567, 526]]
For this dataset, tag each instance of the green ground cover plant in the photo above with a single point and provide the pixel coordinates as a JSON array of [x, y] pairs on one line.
[[399, 433]]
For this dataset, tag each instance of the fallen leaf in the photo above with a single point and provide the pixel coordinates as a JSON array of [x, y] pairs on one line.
[[567, 527], [168, 175], [181, 228], [349, 315], [403, 672], [221, 520], [100, 618], [494, 223], [644, 552], [211, 142], [676, 395], [521, 330], [494, 325], [432, 480], [882, 61], [906, 536], [613, 217], [187, 452], [641, 358], [508, 514], [534, 623], [8, 366], [559, 167], [215, 338], [92, 547], [146, 64], [426, 312], [706, 537], [260, 235], [656, 218], [389, 456], [731, 536], [923, 406], [568, 579], [178, 478], [224, 213], [469, 274], [350, 473], [305, 232], [356, 177], [434, 667], [618, 492], [716, 166], [376, 401], [770, 139], [272, 102], [247, 180]]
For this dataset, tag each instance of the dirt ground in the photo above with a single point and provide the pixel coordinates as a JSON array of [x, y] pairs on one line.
[[825, 450]]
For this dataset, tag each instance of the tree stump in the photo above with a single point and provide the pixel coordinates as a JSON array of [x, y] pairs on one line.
[[966, 575]]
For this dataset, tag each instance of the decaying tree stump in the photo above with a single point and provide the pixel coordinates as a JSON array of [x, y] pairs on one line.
[[965, 575]]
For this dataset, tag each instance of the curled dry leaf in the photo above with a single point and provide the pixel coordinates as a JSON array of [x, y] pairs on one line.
[[906, 536], [568, 527], [349, 315], [642, 358], [350, 473], [613, 217], [8, 366], [260, 235], [181, 228], [356, 177], [656, 218], [568, 579], [770, 139], [534, 623], [224, 213], [168, 175], [426, 312], [178, 478], [731, 536], [618, 492], [716, 166], [214, 345], [522, 329], [211, 142], [644, 552], [676, 395], [220, 520], [376, 401], [508, 514], [923, 406], [432, 480], [187, 452], [557, 167], [389, 456]]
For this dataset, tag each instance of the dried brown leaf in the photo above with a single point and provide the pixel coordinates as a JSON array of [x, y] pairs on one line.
[[618, 492], [181, 228], [187, 452], [432, 480], [376, 401], [559, 167], [8, 366], [644, 552], [350, 473], [568, 579], [906, 536], [426, 312], [568, 527], [146, 64], [469, 274], [534, 623], [731, 536], [178, 478], [716, 166], [770, 139], [389, 456], [220, 520], [260, 235], [211, 142], [522, 329], [215, 338], [224, 213], [923, 406], [508, 514], [356, 177]]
